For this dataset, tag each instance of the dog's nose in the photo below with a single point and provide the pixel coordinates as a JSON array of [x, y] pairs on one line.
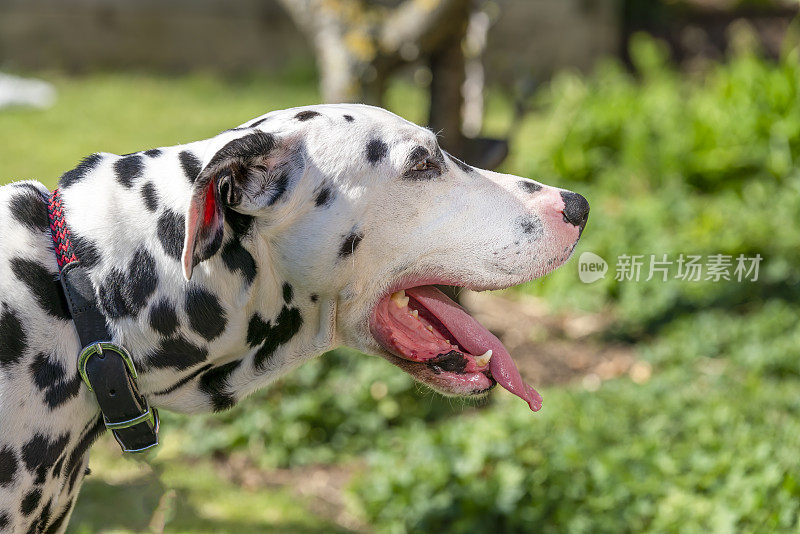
[[576, 208]]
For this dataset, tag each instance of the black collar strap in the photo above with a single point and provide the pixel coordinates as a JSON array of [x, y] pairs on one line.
[[105, 367]]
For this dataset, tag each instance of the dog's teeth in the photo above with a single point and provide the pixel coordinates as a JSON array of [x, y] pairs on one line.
[[414, 313], [400, 298], [484, 358], [429, 327]]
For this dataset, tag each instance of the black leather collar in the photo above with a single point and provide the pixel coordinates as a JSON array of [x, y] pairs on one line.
[[106, 368]]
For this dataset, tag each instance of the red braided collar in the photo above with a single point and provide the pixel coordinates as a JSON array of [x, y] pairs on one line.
[[60, 231]]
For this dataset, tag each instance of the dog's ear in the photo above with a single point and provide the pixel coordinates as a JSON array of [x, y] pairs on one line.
[[238, 177]]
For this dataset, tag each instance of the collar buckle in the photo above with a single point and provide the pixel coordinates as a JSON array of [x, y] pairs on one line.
[[99, 348], [134, 434]]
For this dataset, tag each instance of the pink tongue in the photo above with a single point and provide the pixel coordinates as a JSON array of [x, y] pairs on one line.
[[475, 339]]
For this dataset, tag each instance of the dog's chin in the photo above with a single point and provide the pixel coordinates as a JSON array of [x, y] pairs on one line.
[[451, 384]]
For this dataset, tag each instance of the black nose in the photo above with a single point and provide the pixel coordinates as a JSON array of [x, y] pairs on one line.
[[576, 208]]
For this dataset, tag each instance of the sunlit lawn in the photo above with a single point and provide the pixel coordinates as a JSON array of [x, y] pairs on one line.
[[127, 495]]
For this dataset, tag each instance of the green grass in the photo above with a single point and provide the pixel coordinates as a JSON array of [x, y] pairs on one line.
[[122, 113], [189, 495]]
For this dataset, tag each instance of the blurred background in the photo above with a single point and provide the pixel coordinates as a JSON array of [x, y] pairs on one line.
[[670, 406]]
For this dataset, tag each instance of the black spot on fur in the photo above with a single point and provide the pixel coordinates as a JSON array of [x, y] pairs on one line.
[[164, 318], [44, 286], [178, 353], [153, 152], [4, 520], [63, 391], [529, 186], [376, 151], [112, 298], [142, 279], [55, 526], [183, 381], [214, 383], [288, 292], [8, 466], [530, 225], [324, 197], [257, 330], [314, 297], [29, 187], [240, 223], [30, 501], [58, 465], [86, 251], [44, 517], [350, 244], [150, 196], [40, 454], [75, 461], [13, 339], [77, 174], [190, 164], [45, 372], [122, 295], [348, 118], [306, 115], [170, 231], [259, 122], [237, 258], [287, 324], [29, 208], [128, 169], [206, 316]]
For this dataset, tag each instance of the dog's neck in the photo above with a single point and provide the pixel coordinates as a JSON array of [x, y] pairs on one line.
[[202, 344]]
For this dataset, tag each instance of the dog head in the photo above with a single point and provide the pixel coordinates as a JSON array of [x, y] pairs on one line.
[[360, 206]]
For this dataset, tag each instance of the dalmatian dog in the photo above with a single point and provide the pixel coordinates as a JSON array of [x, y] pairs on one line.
[[223, 264]]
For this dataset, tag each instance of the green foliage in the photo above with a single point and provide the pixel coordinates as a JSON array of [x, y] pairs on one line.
[[684, 454], [736, 123]]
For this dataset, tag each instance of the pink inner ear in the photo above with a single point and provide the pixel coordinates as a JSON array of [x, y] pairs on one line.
[[193, 226], [210, 208]]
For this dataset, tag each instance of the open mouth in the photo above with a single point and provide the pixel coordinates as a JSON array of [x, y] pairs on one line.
[[437, 341]]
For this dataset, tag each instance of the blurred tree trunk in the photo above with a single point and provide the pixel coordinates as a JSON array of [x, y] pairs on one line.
[[359, 44], [447, 66]]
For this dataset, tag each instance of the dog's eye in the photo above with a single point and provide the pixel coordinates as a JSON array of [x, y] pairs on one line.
[[423, 166], [423, 170]]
